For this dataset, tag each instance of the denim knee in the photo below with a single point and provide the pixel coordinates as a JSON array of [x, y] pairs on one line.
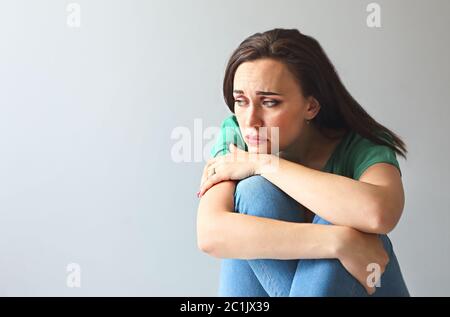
[[257, 196]]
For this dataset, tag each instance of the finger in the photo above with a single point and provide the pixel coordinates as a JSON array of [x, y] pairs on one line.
[[370, 290], [205, 170], [213, 167], [207, 173], [371, 286]]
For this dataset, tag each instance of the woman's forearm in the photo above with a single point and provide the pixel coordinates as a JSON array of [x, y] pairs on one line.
[[340, 200], [242, 236]]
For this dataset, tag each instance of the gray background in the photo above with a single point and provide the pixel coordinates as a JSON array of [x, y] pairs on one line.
[[86, 173]]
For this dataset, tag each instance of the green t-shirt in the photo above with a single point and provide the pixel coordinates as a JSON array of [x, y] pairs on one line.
[[351, 157]]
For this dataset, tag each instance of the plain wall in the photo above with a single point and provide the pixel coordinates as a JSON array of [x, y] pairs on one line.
[[86, 118]]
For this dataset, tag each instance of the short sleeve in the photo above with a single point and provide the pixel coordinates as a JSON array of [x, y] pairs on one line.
[[369, 154], [229, 133]]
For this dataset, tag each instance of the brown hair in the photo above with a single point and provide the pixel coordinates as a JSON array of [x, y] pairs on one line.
[[307, 61]]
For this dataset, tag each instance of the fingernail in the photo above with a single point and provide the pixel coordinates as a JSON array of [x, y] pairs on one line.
[[198, 194]]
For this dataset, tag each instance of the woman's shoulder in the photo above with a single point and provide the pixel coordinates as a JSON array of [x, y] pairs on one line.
[[229, 133], [229, 122], [359, 153], [358, 144]]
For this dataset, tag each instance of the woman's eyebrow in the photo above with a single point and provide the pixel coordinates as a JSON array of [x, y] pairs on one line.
[[264, 93]]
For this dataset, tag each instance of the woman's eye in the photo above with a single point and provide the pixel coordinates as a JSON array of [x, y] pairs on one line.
[[270, 103], [267, 103]]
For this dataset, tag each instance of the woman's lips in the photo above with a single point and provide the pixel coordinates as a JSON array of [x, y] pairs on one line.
[[254, 140]]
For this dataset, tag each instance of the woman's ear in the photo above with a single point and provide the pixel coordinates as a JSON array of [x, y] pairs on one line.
[[312, 108]]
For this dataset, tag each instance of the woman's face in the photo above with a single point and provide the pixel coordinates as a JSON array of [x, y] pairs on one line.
[[268, 96]]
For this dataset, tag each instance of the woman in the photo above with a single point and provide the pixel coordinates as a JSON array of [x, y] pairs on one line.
[[315, 223]]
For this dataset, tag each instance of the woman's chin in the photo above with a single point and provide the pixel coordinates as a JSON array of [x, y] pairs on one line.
[[258, 149]]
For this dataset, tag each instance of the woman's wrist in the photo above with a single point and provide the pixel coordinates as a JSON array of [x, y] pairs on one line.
[[265, 163], [344, 237]]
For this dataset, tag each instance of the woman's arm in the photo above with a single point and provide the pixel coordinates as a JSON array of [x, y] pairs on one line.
[[226, 234], [372, 204]]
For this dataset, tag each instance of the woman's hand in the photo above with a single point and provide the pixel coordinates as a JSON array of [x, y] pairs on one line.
[[357, 251], [236, 165]]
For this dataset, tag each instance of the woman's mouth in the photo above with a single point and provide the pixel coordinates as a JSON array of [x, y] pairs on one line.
[[255, 140]]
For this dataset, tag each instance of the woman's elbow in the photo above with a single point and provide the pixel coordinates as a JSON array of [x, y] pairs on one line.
[[204, 242], [384, 221], [380, 227], [210, 245], [207, 235]]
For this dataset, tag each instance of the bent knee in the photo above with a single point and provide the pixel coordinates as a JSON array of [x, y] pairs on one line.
[[254, 185], [257, 196], [324, 277]]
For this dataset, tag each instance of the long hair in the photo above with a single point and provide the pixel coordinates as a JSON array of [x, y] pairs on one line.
[[317, 77]]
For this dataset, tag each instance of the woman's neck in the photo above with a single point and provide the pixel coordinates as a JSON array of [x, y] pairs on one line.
[[312, 148]]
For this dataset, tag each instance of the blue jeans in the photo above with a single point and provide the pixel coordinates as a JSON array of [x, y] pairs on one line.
[[310, 277]]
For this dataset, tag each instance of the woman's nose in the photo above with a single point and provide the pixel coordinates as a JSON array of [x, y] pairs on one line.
[[253, 116]]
